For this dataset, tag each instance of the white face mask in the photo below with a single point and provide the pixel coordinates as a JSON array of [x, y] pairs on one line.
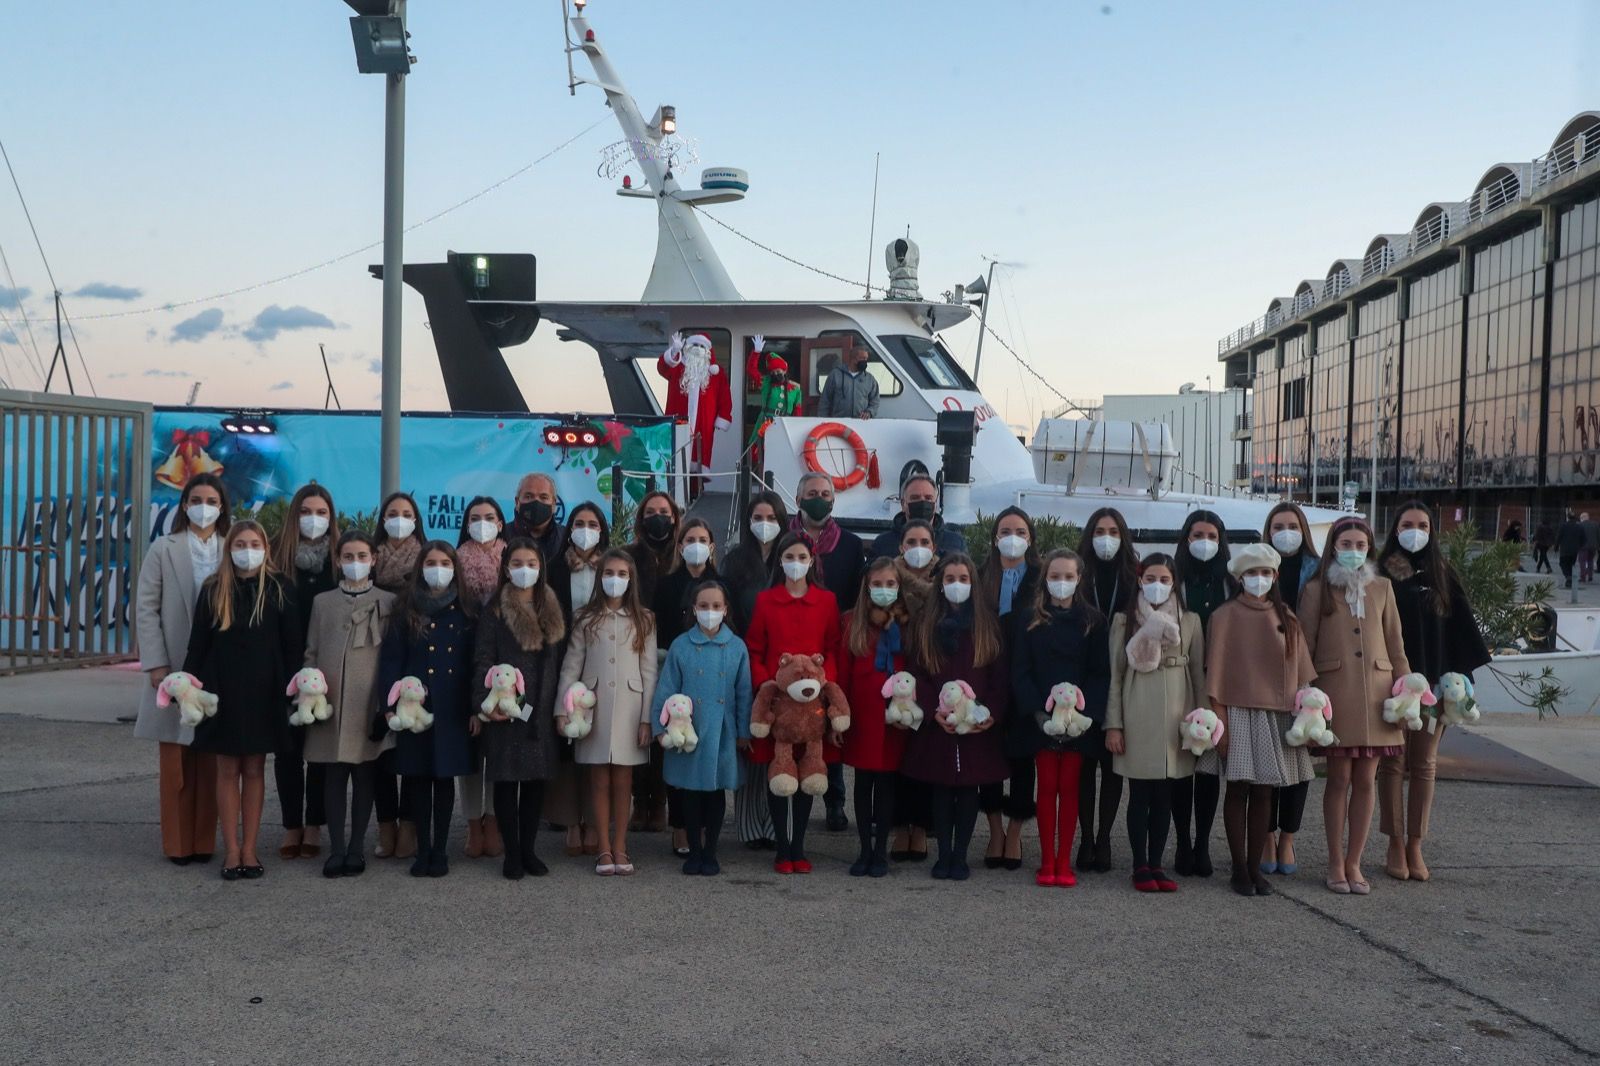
[[1062, 590], [246, 559], [438, 577], [918, 557], [1203, 550], [795, 570], [1156, 593], [695, 553], [584, 538], [1257, 584], [1013, 547], [765, 532], [203, 515], [1413, 540], [958, 592], [710, 621], [1106, 547], [1287, 541], [524, 577], [399, 528], [313, 526], [615, 584], [483, 530], [355, 572]]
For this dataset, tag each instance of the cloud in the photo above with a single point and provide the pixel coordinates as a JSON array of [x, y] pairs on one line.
[[117, 375], [157, 372], [150, 334], [198, 326], [274, 320], [282, 385], [104, 290], [8, 337], [374, 366], [11, 298]]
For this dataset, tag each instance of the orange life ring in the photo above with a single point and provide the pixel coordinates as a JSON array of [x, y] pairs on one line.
[[866, 463]]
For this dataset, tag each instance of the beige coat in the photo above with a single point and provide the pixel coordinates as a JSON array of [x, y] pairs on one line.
[[623, 681], [343, 641], [1357, 660], [1149, 707], [163, 613]]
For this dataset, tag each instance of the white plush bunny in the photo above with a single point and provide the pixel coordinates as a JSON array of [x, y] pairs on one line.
[[406, 696], [309, 688], [1064, 706], [1201, 729], [901, 692], [195, 704], [1312, 713], [1409, 695], [959, 706], [677, 715], [505, 686], [578, 709]]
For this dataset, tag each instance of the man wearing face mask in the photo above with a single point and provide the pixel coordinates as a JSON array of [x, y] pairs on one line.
[[536, 515], [919, 498], [840, 553], [850, 392]]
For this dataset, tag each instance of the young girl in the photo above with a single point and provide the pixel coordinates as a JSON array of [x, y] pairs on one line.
[[712, 667], [1256, 661], [574, 574], [522, 628], [1200, 572], [398, 544], [1353, 634], [1157, 675], [674, 610], [430, 638], [612, 650], [175, 567], [1062, 639], [957, 639], [748, 570], [243, 648], [1441, 636], [343, 641], [872, 651], [1009, 582], [913, 568], [799, 616], [1288, 531], [655, 555], [1109, 577], [480, 549], [303, 555]]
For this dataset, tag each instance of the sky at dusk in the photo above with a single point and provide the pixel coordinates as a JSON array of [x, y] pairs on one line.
[[1158, 171]]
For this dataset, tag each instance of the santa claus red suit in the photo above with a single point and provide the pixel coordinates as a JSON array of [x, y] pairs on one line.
[[697, 392]]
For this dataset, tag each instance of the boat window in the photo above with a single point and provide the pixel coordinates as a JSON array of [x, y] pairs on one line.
[[927, 361], [828, 358]]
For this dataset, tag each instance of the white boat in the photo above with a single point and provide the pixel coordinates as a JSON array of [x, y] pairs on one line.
[[1506, 684]]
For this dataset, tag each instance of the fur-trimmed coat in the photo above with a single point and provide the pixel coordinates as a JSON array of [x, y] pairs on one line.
[[1435, 644], [527, 636]]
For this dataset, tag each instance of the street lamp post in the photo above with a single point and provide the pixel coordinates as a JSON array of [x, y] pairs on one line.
[[378, 30]]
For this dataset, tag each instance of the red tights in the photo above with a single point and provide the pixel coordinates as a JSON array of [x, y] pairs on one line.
[[1058, 807]]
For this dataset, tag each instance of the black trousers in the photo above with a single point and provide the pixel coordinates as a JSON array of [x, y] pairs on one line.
[[1288, 807], [834, 797], [790, 815], [874, 802], [386, 799], [1012, 797], [299, 790], [913, 804], [649, 789], [1149, 815], [517, 807], [955, 812], [1541, 559], [337, 778], [433, 801], [1110, 799], [703, 812]]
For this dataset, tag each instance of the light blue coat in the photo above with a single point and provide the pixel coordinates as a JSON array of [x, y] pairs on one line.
[[714, 672]]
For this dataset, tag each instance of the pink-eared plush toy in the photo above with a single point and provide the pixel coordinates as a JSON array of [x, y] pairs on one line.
[[1201, 730], [195, 704], [901, 692], [1063, 706], [310, 691], [406, 696], [506, 687], [1409, 695], [677, 714], [1312, 713], [959, 706], [577, 707]]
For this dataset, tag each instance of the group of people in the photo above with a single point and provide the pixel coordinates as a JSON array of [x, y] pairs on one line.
[[601, 636], [1577, 545]]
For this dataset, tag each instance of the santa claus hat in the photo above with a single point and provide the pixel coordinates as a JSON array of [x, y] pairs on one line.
[[697, 339]]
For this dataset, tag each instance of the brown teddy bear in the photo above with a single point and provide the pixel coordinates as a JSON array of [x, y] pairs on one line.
[[795, 707]]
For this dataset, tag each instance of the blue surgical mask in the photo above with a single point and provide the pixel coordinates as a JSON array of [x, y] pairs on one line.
[[1352, 560]]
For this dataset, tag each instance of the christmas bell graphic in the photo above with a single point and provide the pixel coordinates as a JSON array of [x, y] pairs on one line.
[[188, 458]]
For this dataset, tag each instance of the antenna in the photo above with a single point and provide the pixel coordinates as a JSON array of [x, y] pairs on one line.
[[332, 395], [872, 230], [194, 390], [60, 354]]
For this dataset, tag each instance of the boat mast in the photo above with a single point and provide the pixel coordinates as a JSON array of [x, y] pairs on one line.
[[686, 266]]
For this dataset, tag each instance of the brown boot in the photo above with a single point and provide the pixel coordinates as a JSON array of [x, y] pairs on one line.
[[405, 845], [387, 832], [474, 837], [493, 845]]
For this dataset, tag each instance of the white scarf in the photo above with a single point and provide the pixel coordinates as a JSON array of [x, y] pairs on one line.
[[1158, 630], [1354, 583]]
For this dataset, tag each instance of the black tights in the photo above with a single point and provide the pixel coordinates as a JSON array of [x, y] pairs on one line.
[[1288, 807], [789, 817], [1149, 813], [955, 812], [1199, 794], [300, 787], [1246, 811], [703, 812], [336, 776], [1110, 800], [517, 806], [874, 810], [433, 801], [386, 790]]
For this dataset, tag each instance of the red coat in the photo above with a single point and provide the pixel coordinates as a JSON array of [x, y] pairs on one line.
[[870, 743], [716, 406], [799, 625]]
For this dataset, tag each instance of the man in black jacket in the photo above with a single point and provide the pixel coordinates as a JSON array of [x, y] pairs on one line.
[[919, 498], [1569, 542]]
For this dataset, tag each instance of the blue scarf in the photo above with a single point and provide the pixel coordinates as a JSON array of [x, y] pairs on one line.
[[888, 648]]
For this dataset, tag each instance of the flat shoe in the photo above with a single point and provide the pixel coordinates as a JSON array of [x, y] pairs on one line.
[[354, 867], [1359, 888], [1340, 887], [606, 868], [230, 873], [252, 873], [334, 867]]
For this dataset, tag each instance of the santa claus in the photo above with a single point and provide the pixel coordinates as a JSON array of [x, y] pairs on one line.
[[697, 392]]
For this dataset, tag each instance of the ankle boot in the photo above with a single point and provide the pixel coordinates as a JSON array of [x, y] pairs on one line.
[[494, 845], [387, 834], [474, 838], [405, 844]]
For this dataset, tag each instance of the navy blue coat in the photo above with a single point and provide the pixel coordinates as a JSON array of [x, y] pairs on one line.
[[1068, 648], [441, 655]]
